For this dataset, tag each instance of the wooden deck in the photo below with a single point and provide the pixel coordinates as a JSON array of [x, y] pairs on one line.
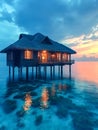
[[31, 63], [70, 62]]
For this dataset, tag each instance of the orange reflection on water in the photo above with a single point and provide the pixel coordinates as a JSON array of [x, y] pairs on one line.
[[44, 98], [28, 102], [87, 71]]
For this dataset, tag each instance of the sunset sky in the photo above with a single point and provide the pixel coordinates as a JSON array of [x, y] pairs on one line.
[[71, 22]]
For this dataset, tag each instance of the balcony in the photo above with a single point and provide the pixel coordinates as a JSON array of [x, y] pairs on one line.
[[37, 62], [56, 62]]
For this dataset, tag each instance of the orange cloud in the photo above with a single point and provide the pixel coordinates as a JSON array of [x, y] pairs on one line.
[[88, 49], [85, 44]]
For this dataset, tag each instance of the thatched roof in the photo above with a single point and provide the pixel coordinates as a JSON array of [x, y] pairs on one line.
[[37, 42]]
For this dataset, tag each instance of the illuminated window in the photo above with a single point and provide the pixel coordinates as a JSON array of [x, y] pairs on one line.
[[44, 56], [65, 56], [53, 57], [59, 56], [28, 54]]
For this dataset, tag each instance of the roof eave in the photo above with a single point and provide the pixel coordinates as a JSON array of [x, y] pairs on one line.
[[3, 51], [74, 52]]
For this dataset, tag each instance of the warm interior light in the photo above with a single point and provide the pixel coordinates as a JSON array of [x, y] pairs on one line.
[[28, 54], [65, 56], [59, 56], [44, 51], [53, 55], [44, 56]]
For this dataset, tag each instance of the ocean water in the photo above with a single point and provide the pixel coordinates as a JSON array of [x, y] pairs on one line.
[[58, 104]]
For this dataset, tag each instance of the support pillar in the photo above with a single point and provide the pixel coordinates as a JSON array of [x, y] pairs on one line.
[[36, 72], [32, 72], [51, 72], [69, 71], [27, 70], [39, 71], [45, 71], [20, 72], [13, 73], [59, 74], [61, 71], [9, 73]]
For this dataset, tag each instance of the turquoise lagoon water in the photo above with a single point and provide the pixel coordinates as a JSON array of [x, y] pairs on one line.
[[59, 104]]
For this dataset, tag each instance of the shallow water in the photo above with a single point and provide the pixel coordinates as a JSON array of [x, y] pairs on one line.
[[70, 104]]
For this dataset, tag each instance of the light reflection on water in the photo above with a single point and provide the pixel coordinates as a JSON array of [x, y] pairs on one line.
[[59, 94], [44, 98], [46, 95], [71, 102], [87, 71], [28, 102]]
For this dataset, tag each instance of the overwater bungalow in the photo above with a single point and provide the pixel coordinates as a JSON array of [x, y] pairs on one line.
[[37, 51]]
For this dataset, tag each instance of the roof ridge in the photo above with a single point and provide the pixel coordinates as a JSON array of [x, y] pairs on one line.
[[27, 41], [46, 40]]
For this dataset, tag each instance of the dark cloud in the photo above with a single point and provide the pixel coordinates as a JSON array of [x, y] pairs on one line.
[[46, 17], [56, 18]]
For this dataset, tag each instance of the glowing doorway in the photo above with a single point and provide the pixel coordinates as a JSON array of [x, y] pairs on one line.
[[43, 56]]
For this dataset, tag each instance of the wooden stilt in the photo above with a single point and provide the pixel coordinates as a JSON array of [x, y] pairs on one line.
[[27, 76], [18, 72], [21, 72], [39, 72], [9, 71], [13, 76], [36, 72], [32, 72], [51, 72], [45, 71], [42, 75], [69, 71], [61, 71]]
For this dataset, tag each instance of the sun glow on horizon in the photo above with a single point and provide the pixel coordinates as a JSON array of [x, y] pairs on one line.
[[84, 44]]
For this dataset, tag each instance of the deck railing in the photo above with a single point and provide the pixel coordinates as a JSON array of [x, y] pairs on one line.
[[57, 62], [49, 62]]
